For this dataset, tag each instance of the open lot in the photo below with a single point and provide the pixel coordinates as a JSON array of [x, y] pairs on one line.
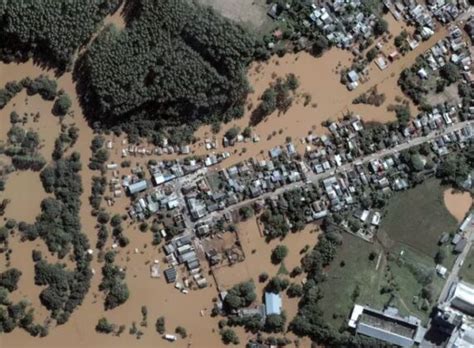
[[418, 217], [350, 269], [245, 12]]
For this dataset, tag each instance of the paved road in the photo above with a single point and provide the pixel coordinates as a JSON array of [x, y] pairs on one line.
[[314, 178], [453, 276]]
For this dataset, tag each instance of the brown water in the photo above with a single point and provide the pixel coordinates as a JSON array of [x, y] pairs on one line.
[[25, 191], [318, 77], [457, 203]]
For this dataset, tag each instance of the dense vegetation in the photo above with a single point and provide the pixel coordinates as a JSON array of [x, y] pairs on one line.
[[239, 296], [49, 30], [113, 283], [23, 149], [60, 228], [185, 65], [279, 96], [289, 213]]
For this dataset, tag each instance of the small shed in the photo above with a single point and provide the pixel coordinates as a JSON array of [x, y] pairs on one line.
[[460, 245]]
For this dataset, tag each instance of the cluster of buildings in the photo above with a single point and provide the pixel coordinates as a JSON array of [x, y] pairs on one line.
[[342, 22], [455, 315], [423, 14], [181, 251], [452, 49], [190, 192]]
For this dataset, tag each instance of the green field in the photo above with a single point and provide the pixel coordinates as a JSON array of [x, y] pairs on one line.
[[467, 270], [411, 271], [409, 238], [417, 217], [342, 281]]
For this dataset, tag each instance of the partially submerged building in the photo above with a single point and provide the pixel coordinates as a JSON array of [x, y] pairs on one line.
[[273, 303]]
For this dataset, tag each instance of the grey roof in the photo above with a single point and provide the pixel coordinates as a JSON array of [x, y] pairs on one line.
[[170, 275], [137, 187], [383, 335]]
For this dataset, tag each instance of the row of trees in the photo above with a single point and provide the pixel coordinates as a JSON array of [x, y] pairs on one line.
[[185, 65], [42, 85]]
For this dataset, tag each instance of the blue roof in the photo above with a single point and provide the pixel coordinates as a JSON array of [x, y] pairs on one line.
[[272, 303]]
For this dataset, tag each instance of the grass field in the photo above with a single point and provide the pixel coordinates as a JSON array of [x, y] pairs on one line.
[[409, 238], [404, 271], [418, 217], [409, 271], [358, 271], [467, 270]]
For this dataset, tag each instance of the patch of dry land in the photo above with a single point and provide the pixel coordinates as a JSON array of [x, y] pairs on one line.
[[329, 99], [457, 203], [245, 12]]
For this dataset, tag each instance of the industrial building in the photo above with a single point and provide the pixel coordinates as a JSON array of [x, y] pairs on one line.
[[386, 326]]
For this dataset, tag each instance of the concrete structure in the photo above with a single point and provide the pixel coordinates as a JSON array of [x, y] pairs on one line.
[[386, 326]]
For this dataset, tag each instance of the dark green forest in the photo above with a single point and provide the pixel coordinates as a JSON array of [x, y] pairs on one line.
[[175, 63], [49, 30]]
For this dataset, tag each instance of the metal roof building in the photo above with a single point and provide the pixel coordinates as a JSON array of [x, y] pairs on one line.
[[138, 186], [386, 326], [462, 298], [272, 303]]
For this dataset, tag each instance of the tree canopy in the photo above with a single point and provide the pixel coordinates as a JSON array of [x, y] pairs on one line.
[[50, 30], [184, 64]]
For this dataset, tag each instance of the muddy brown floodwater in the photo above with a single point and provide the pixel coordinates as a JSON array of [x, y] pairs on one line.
[[457, 203], [318, 77]]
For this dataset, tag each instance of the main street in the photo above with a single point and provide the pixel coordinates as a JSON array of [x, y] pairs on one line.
[[314, 178]]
